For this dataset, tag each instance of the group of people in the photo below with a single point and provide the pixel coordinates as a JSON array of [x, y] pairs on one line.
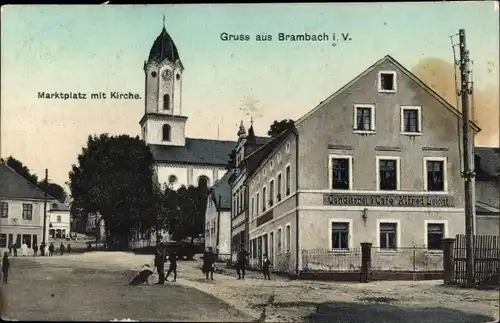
[[160, 264], [51, 249]]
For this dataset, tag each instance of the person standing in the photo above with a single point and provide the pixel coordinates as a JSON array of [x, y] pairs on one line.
[[14, 248], [61, 249], [69, 248], [266, 264], [42, 248], [35, 249], [241, 263], [172, 268], [51, 248], [208, 263], [5, 267], [11, 246], [160, 264]]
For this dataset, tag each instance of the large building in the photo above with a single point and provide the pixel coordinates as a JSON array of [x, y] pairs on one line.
[[377, 161], [246, 146], [218, 218], [179, 160], [59, 220], [21, 211]]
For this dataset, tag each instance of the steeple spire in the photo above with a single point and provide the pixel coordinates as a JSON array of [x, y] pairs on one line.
[[164, 21], [242, 132], [251, 133]]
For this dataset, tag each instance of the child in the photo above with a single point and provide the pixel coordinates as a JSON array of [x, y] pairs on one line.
[[5, 267], [265, 267]]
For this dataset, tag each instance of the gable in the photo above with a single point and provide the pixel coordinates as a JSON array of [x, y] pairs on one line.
[[382, 64], [14, 186]]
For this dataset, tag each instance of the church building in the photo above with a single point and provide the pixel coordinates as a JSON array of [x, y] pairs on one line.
[[179, 160]]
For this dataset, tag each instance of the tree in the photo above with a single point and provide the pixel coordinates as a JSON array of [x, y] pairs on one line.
[[54, 190], [22, 170], [231, 164], [278, 127], [189, 219], [114, 177]]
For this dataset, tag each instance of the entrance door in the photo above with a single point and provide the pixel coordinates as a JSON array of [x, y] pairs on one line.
[[271, 246], [10, 240]]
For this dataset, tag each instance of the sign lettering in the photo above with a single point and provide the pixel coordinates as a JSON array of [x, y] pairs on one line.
[[388, 200]]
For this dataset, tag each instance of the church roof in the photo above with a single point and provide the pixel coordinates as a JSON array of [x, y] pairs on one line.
[[14, 186], [195, 151], [164, 48], [223, 190]]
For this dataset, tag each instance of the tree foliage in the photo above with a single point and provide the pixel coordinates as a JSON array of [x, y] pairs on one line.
[[114, 177], [54, 190], [279, 126]]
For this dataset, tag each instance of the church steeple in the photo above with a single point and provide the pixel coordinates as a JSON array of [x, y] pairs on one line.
[[242, 132], [251, 133]]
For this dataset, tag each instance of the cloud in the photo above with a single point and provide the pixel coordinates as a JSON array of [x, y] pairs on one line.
[[439, 75]]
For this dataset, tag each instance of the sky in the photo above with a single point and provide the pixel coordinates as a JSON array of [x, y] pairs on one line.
[[102, 48]]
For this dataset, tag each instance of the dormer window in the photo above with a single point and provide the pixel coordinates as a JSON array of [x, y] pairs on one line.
[[387, 81]]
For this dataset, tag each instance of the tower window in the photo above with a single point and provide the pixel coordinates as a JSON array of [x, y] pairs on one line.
[[153, 74], [166, 132], [166, 102], [178, 76]]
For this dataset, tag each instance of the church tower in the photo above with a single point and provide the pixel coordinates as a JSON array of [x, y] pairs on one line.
[[163, 123]]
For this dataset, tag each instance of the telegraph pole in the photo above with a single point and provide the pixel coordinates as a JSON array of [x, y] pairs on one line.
[[46, 184], [468, 174]]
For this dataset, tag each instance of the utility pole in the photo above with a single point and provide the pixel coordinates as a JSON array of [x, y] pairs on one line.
[[46, 184], [468, 174]]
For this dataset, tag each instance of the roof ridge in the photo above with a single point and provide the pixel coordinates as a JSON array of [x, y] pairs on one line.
[[49, 197]]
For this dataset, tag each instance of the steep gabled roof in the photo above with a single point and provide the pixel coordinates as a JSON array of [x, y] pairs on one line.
[[406, 72], [15, 186], [195, 151], [222, 190], [256, 158], [487, 163]]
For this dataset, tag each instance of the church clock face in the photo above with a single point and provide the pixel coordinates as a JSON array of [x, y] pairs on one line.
[[166, 74]]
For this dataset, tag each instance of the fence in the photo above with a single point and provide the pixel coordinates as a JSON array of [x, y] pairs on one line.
[[409, 259], [331, 260], [486, 259]]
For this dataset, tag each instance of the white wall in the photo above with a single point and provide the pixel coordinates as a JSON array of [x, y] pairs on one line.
[[154, 131], [63, 225], [181, 172], [203, 171]]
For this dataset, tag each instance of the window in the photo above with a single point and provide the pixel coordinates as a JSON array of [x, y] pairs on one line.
[[411, 122], [435, 234], [264, 199], [238, 203], [3, 240], [254, 248], [265, 172], [27, 211], [166, 132], [265, 244], [278, 196], [166, 102], [287, 238], [340, 172], [278, 240], [202, 181], [435, 169], [58, 219], [287, 180], [387, 81], [4, 210], [258, 204], [388, 235], [340, 235], [278, 157], [271, 193], [234, 205], [253, 207], [388, 169], [172, 179], [271, 165], [287, 147], [364, 117], [271, 246]]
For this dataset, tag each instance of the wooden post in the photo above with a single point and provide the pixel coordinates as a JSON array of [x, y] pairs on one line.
[[366, 261], [448, 261]]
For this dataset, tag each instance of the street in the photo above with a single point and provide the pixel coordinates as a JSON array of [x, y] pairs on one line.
[[50, 289]]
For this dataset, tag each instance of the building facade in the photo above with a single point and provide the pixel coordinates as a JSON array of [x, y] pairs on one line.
[[487, 190], [59, 220], [246, 145], [218, 218], [179, 160], [377, 162], [21, 211]]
